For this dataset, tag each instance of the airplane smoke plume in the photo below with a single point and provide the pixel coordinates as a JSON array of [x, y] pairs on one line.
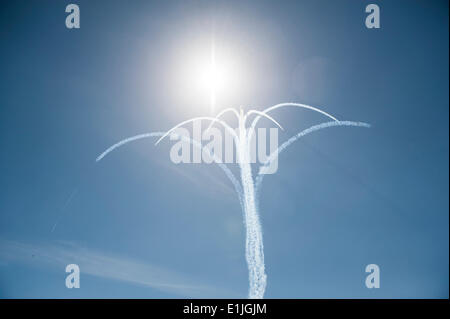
[[247, 188]]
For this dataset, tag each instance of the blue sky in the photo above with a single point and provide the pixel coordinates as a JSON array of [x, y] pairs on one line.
[[140, 226]]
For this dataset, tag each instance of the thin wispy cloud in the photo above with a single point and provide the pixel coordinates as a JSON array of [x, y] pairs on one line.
[[108, 266]]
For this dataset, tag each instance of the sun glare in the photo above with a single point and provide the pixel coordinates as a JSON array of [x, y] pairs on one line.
[[212, 78], [208, 76]]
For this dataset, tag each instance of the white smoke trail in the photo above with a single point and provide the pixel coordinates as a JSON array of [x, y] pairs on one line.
[[226, 170], [291, 140], [230, 109], [125, 141], [264, 115], [212, 119], [249, 189], [277, 106], [254, 251], [74, 192]]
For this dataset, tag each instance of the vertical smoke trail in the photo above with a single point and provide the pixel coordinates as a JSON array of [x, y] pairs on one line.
[[254, 243], [254, 250]]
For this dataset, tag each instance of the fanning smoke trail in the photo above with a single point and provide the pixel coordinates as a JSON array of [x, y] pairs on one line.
[[249, 189]]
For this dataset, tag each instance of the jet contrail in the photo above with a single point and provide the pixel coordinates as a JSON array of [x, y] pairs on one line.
[[228, 173], [277, 106], [63, 208], [248, 188], [125, 141], [291, 140]]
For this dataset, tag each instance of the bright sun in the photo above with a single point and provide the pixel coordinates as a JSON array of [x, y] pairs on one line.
[[207, 76], [212, 78]]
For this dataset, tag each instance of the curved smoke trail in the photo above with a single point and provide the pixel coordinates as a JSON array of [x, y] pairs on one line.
[[291, 140], [280, 105], [226, 170], [125, 141]]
